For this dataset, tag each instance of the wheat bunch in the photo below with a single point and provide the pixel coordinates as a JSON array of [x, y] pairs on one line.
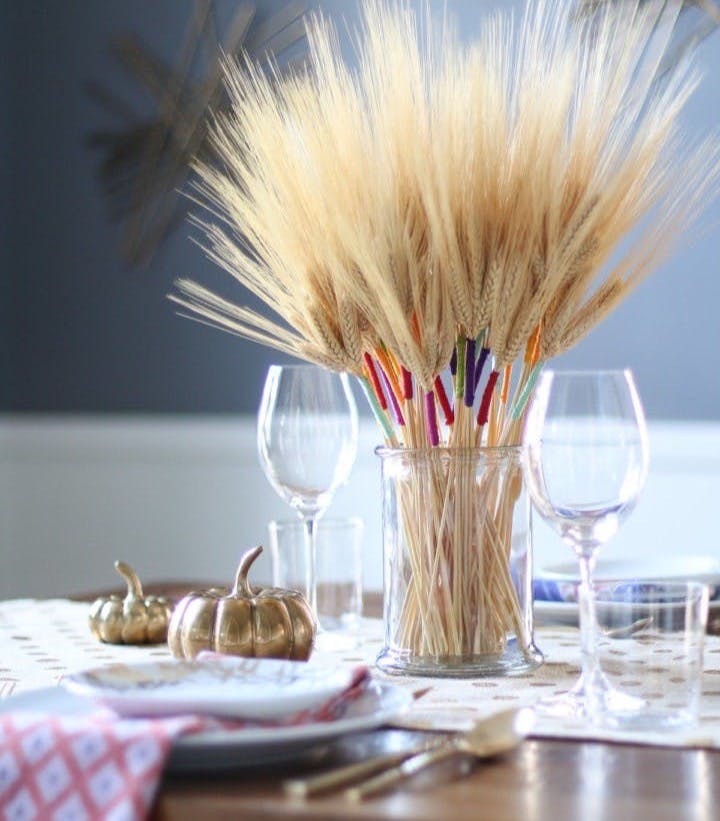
[[440, 221], [443, 198]]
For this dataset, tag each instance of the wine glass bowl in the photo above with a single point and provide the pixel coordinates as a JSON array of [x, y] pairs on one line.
[[586, 454], [585, 463], [306, 455]]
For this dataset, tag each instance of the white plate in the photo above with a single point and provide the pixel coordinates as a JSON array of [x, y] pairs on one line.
[[256, 689], [243, 747], [667, 568]]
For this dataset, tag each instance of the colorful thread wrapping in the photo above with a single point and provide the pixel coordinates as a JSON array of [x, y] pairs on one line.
[[469, 373], [375, 381], [394, 404], [431, 416], [527, 390], [391, 372], [443, 401], [378, 412], [460, 372], [482, 359], [507, 376], [407, 383], [484, 411], [532, 349]]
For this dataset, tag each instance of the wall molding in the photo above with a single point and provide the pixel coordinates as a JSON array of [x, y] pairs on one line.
[[181, 497]]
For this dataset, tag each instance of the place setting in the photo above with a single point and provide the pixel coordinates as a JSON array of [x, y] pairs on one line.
[[245, 712]]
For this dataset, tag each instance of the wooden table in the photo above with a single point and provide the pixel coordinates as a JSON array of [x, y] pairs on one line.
[[554, 780], [543, 779]]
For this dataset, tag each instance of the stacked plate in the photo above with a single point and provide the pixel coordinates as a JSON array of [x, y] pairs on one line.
[[555, 586]]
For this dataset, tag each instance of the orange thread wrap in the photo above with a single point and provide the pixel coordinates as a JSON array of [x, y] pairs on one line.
[[507, 376], [390, 372], [532, 349]]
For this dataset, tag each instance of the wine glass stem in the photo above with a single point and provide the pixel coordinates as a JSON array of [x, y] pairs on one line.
[[310, 523], [588, 621]]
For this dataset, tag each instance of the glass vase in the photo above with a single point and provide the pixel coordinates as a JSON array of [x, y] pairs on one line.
[[457, 570]]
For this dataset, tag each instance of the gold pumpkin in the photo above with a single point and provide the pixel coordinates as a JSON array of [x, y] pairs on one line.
[[135, 619], [269, 623]]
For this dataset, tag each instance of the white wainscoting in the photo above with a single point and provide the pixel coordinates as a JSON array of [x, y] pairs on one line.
[[182, 497]]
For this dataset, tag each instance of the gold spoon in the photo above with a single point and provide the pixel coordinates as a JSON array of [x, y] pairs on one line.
[[487, 738]]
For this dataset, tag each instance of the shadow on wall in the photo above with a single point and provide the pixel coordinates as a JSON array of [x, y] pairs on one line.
[[80, 332]]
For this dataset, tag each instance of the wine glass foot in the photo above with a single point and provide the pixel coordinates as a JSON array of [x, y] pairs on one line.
[[565, 705], [572, 704], [608, 704]]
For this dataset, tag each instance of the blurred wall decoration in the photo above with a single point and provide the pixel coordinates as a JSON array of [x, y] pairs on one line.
[[145, 158], [82, 330]]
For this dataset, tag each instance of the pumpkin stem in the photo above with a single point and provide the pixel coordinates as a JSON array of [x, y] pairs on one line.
[[242, 587], [131, 577]]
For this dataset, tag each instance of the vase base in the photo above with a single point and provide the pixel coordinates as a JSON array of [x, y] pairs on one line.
[[513, 662]]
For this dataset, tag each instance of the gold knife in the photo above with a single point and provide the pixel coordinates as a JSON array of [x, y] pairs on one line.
[[342, 776]]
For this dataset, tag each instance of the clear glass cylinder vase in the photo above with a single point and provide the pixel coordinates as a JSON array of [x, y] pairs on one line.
[[457, 536]]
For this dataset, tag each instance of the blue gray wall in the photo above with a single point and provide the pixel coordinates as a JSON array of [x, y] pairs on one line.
[[5, 200], [80, 332]]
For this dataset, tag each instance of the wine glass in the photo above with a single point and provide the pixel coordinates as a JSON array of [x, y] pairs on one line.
[[585, 462], [307, 441]]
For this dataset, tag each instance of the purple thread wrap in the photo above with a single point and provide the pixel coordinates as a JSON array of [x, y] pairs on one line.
[[469, 373], [397, 413], [431, 416], [482, 359], [453, 362]]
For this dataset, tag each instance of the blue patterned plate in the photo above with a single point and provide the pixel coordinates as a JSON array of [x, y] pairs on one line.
[[558, 583], [555, 587]]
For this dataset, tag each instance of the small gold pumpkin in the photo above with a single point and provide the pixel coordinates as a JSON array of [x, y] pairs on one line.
[[135, 619], [269, 623]]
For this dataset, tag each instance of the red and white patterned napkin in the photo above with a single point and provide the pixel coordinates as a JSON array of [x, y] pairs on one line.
[[100, 766]]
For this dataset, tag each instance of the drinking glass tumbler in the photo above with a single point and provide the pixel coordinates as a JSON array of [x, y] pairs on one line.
[[649, 646], [338, 566]]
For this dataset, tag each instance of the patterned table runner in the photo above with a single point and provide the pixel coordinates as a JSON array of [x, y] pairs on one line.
[[43, 640]]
